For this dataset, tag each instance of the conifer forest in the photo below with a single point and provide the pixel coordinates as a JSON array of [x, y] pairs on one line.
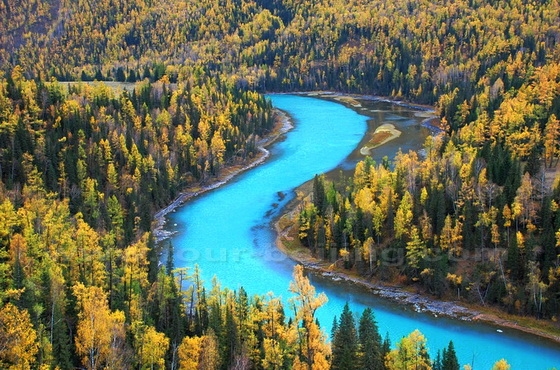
[[109, 109]]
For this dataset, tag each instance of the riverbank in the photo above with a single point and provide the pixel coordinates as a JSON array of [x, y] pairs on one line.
[[282, 125], [416, 301], [286, 241]]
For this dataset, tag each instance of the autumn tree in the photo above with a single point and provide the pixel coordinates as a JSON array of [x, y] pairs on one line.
[[100, 333], [151, 347], [189, 352], [501, 365], [18, 339], [313, 350], [552, 136], [411, 352], [403, 216], [209, 353], [135, 276]]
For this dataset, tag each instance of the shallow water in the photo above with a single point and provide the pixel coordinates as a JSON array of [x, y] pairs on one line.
[[228, 231]]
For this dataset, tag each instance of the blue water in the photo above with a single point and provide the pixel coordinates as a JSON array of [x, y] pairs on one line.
[[227, 232]]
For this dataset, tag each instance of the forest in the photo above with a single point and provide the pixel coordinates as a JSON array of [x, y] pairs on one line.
[[85, 165]]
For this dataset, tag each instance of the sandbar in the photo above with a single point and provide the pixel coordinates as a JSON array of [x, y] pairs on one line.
[[383, 134]]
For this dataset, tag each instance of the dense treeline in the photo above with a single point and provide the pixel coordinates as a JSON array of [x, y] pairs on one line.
[[463, 224], [83, 167], [193, 328], [476, 214], [361, 347], [106, 152], [431, 52]]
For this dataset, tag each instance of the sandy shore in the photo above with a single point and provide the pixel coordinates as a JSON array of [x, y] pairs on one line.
[[283, 124]]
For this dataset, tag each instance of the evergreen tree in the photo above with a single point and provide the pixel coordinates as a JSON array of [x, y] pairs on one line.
[[370, 342], [345, 342], [120, 75], [449, 359], [334, 328], [131, 76], [385, 349], [437, 365], [170, 263], [98, 75], [514, 260], [319, 194]]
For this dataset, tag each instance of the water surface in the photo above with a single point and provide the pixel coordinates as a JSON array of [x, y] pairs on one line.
[[228, 231]]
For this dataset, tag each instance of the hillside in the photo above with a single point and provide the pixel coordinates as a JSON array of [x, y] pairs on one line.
[[84, 167]]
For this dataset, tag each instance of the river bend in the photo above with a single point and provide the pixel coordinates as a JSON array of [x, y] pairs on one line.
[[228, 231]]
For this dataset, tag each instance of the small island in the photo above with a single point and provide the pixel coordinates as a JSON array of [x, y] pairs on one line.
[[383, 134]]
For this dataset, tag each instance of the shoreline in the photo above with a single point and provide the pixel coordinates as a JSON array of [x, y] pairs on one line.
[[419, 302], [301, 255], [282, 125]]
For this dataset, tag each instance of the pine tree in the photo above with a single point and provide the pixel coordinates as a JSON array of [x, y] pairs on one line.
[[370, 342], [385, 349], [449, 359], [319, 194], [437, 365], [345, 342]]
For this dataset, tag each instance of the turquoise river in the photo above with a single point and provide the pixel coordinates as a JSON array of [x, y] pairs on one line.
[[228, 231]]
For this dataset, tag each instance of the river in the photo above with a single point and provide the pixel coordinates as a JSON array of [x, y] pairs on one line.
[[228, 231]]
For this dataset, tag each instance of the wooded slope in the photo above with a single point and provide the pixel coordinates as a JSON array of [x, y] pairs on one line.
[[83, 167]]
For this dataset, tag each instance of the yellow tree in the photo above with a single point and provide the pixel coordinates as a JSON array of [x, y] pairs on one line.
[[368, 251], [523, 203], [8, 221], [501, 365], [408, 166], [189, 353], [151, 347], [135, 277], [403, 216], [313, 349], [273, 354], [90, 265], [416, 249], [18, 339], [209, 356], [451, 237], [100, 333], [551, 139], [199, 352], [411, 353], [279, 338], [218, 148]]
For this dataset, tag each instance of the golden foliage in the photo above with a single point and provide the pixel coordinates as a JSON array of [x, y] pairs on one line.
[[18, 339]]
